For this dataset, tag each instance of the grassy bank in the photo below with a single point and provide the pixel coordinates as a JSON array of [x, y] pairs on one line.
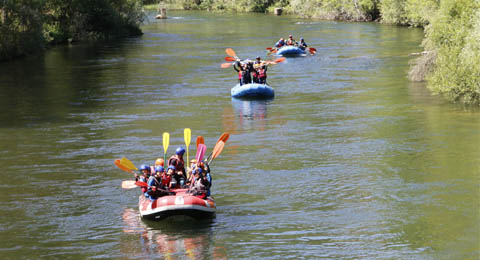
[[27, 26]]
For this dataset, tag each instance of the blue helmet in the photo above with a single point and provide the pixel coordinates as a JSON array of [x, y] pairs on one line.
[[159, 169], [171, 167], [145, 167], [180, 151], [301, 39]]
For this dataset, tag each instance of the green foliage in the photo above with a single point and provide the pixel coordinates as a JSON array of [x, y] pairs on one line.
[[26, 25], [455, 32]]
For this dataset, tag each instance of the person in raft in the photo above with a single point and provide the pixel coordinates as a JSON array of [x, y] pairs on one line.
[[262, 74], [199, 187], [302, 44], [156, 189], [280, 43], [145, 175], [290, 41], [239, 70]]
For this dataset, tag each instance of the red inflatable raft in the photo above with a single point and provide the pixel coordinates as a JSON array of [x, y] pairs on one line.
[[180, 204]]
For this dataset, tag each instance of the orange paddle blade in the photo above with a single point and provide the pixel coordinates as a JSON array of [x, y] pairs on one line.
[[230, 59], [200, 140], [225, 65], [141, 184], [224, 137], [121, 166], [280, 60], [312, 49], [218, 149], [269, 49], [230, 52]]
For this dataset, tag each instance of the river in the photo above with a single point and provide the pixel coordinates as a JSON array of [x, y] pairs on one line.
[[350, 160]]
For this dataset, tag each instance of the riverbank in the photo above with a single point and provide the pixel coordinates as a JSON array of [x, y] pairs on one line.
[[27, 27], [451, 62]]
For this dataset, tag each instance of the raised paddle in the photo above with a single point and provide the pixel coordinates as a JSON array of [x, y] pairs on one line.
[[187, 135], [127, 163], [122, 167], [200, 152], [217, 150], [200, 140], [231, 52], [223, 138], [230, 59], [166, 140]]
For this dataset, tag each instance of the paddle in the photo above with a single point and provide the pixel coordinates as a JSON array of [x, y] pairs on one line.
[[166, 140], [223, 138], [217, 150], [312, 50], [276, 61], [187, 135], [231, 52], [269, 49], [230, 59], [127, 163], [200, 152], [200, 140], [128, 185], [225, 65], [122, 167]]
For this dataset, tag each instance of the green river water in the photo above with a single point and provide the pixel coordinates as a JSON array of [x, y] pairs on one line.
[[350, 160]]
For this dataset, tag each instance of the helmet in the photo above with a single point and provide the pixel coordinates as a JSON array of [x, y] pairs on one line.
[[159, 169], [145, 167], [290, 36], [193, 161], [171, 167], [159, 162], [258, 57], [180, 150], [301, 38]]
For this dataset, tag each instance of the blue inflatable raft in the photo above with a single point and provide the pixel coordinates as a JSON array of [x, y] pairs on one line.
[[290, 51], [253, 91]]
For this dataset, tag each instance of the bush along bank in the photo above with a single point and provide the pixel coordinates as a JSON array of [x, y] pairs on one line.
[[29, 25]]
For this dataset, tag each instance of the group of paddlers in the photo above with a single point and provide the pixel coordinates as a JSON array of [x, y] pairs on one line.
[[291, 42], [161, 182], [251, 71]]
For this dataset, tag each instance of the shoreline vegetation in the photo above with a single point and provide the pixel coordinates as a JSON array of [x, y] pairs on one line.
[[450, 63]]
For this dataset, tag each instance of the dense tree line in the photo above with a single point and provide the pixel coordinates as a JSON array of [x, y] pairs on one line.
[[28, 25]]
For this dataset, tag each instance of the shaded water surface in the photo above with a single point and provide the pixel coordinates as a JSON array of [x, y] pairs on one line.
[[349, 161]]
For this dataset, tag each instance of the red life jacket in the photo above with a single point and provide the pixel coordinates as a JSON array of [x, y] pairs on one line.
[[240, 74], [262, 74], [166, 179], [179, 166]]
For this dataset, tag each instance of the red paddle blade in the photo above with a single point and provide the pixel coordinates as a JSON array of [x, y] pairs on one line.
[[229, 58], [225, 65], [280, 60], [269, 49], [312, 49], [200, 152], [230, 52], [200, 140], [141, 184], [224, 137]]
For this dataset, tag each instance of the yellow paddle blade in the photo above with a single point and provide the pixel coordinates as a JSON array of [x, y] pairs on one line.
[[187, 134], [128, 164], [166, 140]]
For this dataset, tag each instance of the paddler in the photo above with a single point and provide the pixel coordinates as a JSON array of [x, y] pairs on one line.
[[239, 70], [262, 74], [302, 44], [290, 40]]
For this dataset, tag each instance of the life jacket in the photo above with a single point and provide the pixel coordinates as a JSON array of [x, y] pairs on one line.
[[179, 164], [240, 74], [166, 179], [152, 181], [279, 44], [290, 42], [262, 74]]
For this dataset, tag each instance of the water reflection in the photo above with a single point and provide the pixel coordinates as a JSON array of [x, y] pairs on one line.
[[250, 114], [169, 239]]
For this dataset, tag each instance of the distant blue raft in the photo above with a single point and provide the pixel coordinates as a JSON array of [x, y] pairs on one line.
[[290, 51], [253, 91]]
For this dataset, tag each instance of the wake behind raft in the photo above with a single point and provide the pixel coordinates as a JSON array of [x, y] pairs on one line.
[[258, 89]]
